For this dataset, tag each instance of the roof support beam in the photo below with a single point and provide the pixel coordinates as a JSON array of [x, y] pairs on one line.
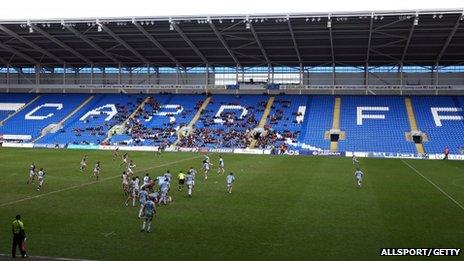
[[448, 40], [370, 39], [123, 43], [60, 43], [91, 43], [31, 44], [258, 41], [189, 42], [331, 45], [18, 53], [295, 45], [224, 43], [405, 50], [156, 43]]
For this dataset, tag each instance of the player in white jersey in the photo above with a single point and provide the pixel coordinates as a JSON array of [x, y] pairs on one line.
[[221, 169], [149, 211], [41, 179], [359, 177], [206, 167], [355, 161], [143, 197], [115, 153], [146, 180], [32, 173], [206, 159], [164, 189], [125, 183], [96, 170], [130, 166], [189, 179], [125, 159], [193, 172], [134, 191], [230, 179], [83, 163]]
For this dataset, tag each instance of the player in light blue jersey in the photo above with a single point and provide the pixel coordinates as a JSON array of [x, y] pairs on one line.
[[164, 188], [154, 196], [189, 181], [149, 211], [160, 180], [230, 179], [359, 177], [168, 176], [143, 197]]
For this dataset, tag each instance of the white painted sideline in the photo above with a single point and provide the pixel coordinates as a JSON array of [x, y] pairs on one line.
[[45, 258], [90, 183], [435, 185]]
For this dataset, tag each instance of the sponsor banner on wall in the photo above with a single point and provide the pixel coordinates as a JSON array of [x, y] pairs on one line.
[[248, 151], [322, 153], [16, 137], [190, 149], [49, 146], [450, 156], [203, 150], [128, 148], [224, 150], [17, 145], [83, 147]]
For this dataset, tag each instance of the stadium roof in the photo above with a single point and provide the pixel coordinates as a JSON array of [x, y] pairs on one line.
[[423, 38]]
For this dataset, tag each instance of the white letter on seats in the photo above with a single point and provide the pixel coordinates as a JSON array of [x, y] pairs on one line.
[[438, 118], [177, 107], [361, 116], [229, 107], [29, 116], [301, 111], [97, 111]]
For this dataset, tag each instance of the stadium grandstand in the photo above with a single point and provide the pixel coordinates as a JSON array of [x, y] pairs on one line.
[[324, 82]]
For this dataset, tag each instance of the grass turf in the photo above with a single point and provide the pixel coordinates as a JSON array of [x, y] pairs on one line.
[[282, 207]]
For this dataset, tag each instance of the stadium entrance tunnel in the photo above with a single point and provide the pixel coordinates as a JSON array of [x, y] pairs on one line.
[[335, 135], [418, 137]]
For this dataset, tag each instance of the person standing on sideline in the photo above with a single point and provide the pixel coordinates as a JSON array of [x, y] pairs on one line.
[[19, 236], [446, 152]]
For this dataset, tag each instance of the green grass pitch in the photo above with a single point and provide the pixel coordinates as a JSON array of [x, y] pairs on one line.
[[282, 207]]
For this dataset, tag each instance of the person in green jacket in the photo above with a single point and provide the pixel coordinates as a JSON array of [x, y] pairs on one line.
[[18, 237]]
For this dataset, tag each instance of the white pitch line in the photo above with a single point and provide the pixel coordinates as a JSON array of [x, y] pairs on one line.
[[435, 185], [48, 258], [90, 183]]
